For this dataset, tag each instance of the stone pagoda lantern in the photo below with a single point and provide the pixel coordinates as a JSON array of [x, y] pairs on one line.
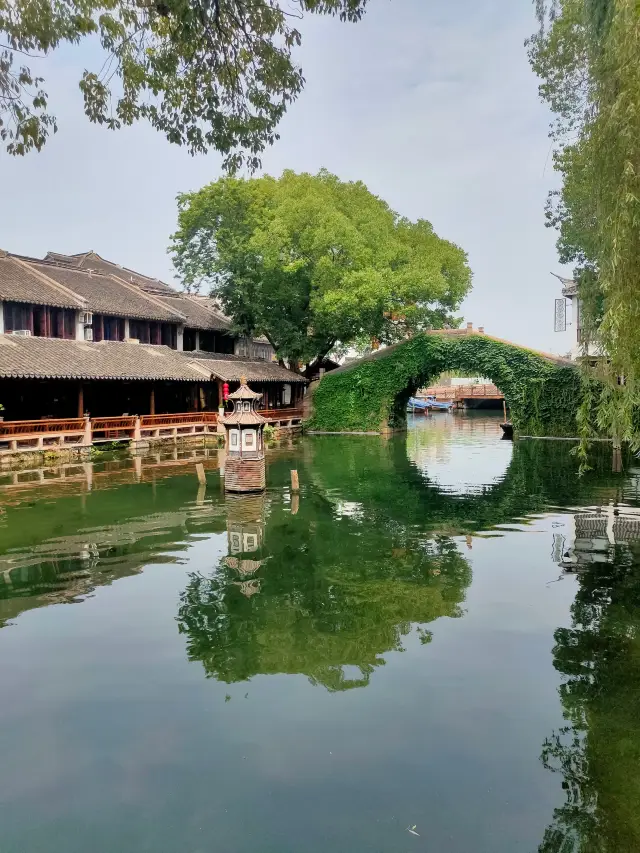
[[244, 441]]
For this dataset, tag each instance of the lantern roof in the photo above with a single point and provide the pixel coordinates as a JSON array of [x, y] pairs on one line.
[[244, 392], [243, 418], [240, 415]]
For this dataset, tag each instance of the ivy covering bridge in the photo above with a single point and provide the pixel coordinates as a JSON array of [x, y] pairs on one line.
[[542, 392]]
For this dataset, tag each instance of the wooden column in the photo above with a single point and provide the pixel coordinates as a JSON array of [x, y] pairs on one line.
[[80, 400], [152, 401]]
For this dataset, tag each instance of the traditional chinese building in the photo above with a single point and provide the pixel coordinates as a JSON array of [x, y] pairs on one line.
[[82, 335]]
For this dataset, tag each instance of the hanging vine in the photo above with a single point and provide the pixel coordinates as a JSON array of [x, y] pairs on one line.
[[587, 54], [543, 396]]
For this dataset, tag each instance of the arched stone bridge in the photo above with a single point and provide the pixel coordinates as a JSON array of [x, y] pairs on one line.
[[542, 391]]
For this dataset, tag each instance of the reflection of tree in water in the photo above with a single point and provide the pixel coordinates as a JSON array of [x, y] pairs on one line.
[[367, 555], [598, 752], [333, 593]]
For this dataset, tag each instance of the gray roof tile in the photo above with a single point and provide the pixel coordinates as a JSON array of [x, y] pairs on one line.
[[19, 283], [232, 369], [51, 358], [105, 294]]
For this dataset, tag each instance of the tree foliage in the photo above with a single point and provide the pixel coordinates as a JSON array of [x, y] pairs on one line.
[[587, 54], [207, 73], [310, 261]]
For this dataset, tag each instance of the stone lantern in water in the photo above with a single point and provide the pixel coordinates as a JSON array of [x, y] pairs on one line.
[[244, 467]]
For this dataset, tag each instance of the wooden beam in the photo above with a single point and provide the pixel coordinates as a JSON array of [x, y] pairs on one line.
[[152, 401], [80, 400]]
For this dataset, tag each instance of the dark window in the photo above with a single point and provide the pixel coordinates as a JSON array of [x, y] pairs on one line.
[[17, 316], [69, 324], [139, 329], [189, 340], [41, 320], [216, 342], [107, 328], [170, 335]]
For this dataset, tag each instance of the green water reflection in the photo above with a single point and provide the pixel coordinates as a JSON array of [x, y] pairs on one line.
[[439, 630]]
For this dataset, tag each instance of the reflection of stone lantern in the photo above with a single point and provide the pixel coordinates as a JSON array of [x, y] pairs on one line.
[[244, 467], [245, 530]]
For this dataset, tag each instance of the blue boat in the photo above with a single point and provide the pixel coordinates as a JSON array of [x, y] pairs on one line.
[[423, 404]]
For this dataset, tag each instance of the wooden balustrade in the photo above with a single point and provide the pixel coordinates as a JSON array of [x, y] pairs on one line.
[[281, 414], [179, 419], [114, 427], [82, 432], [11, 429], [464, 392]]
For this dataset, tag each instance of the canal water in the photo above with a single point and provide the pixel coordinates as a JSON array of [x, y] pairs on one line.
[[433, 647]]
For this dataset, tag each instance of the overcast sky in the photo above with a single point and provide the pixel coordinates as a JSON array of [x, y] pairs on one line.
[[431, 104]]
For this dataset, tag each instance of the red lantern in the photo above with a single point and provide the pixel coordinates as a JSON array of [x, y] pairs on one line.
[[225, 390]]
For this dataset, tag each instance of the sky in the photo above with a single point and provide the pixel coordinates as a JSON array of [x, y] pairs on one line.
[[432, 104]]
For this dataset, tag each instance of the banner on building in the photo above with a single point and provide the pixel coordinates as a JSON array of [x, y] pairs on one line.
[[561, 315]]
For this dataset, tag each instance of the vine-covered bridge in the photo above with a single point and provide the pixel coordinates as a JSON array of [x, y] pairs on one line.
[[542, 391]]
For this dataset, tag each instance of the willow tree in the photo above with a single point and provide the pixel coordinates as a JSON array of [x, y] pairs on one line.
[[311, 261], [206, 73], [587, 53]]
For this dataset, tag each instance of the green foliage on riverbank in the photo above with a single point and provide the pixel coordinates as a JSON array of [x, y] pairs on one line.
[[542, 396]]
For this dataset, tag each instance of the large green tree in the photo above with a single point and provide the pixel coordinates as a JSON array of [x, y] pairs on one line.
[[587, 53], [311, 261], [207, 73]]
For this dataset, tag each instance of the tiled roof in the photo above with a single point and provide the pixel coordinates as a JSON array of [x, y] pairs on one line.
[[52, 358], [199, 312], [19, 283], [105, 294], [233, 368], [93, 261], [198, 316], [196, 312]]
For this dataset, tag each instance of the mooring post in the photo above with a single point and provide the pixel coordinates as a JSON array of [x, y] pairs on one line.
[[504, 409], [616, 464], [201, 475], [295, 485]]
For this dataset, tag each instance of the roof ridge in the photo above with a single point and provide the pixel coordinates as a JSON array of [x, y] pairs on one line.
[[82, 303], [148, 296], [63, 266], [218, 314], [126, 269]]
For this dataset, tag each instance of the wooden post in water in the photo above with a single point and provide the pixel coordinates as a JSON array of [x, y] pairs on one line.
[[295, 485], [201, 475], [616, 464], [504, 409]]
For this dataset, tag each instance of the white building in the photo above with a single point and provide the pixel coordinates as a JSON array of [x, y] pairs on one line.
[[572, 318]]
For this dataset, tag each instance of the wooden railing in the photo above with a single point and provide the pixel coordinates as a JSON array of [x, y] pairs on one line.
[[82, 432], [147, 421], [125, 423], [281, 414], [12, 429], [464, 392]]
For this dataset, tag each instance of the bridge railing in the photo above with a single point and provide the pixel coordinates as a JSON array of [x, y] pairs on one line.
[[464, 392]]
